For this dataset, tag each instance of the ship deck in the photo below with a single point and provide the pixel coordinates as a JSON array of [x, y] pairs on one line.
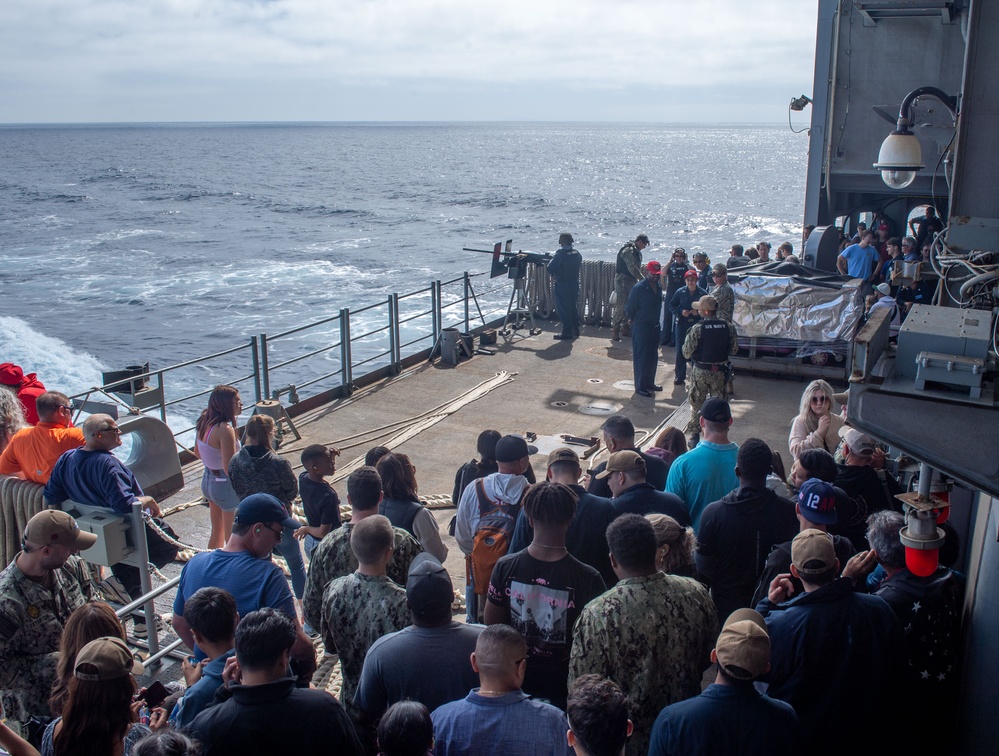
[[434, 412]]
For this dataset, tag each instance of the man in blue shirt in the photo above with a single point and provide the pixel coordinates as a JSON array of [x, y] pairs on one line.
[[859, 260], [92, 475], [707, 472], [244, 568], [498, 712], [731, 716]]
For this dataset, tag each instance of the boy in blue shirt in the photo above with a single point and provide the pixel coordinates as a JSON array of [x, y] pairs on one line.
[[212, 616], [319, 500]]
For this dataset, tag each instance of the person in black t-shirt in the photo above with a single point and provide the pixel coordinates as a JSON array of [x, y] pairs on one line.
[[319, 500], [542, 590]]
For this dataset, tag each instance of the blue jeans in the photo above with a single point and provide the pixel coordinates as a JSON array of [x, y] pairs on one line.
[[292, 553], [310, 545]]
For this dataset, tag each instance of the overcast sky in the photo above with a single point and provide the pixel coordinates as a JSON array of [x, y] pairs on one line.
[[330, 60]]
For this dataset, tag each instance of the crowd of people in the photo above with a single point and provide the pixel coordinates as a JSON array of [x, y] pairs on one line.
[[597, 603]]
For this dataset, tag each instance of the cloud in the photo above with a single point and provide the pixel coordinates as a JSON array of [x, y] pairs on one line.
[[201, 59]]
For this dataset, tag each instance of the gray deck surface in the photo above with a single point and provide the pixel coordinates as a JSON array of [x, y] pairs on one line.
[[547, 372]]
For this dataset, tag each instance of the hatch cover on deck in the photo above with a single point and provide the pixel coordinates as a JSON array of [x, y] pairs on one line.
[[599, 408]]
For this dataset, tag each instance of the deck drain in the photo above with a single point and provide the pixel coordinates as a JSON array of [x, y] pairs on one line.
[[560, 404], [599, 408], [594, 380], [628, 386]]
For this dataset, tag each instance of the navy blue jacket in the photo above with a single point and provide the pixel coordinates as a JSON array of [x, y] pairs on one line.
[[644, 499], [838, 657], [644, 303], [727, 719]]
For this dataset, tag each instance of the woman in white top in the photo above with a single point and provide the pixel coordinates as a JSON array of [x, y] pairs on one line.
[[216, 445], [817, 425]]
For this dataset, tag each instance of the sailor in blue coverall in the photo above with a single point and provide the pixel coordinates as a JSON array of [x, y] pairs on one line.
[[642, 308], [564, 268]]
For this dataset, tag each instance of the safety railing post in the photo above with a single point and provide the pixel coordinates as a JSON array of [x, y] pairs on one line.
[[394, 335], [264, 370], [435, 306], [346, 378], [467, 284], [159, 379], [255, 357], [145, 582]]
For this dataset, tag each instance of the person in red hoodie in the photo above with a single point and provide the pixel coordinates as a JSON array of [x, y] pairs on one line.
[[27, 387]]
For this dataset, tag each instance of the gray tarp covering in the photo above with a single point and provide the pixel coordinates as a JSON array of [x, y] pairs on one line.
[[788, 307]]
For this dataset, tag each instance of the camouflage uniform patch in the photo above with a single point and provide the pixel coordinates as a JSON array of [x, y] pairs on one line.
[[31, 623], [358, 610], [725, 297], [653, 636], [333, 559]]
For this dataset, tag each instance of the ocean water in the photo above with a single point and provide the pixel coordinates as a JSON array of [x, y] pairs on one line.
[[162, 243]]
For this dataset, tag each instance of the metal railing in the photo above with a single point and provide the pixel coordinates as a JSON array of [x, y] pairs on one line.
[[323, 355]]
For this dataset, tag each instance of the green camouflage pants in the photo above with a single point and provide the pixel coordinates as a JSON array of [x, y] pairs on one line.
[[622, 288], [701, 384]]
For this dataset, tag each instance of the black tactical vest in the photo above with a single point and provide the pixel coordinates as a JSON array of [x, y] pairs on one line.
[[714, 342]]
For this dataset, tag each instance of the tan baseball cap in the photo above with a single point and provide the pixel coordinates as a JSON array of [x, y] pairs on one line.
[[564, 454], [106, 658], [706, 303], [813, 552], [743, 646], [623, 461], [52, 526]]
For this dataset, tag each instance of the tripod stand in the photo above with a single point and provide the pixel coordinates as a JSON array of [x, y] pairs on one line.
[[519, 311]]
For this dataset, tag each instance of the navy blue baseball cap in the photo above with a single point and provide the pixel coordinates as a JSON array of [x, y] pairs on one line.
[[817, 502], [263, 507]]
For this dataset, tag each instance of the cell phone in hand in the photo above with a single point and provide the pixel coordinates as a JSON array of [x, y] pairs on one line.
[[154, 695]]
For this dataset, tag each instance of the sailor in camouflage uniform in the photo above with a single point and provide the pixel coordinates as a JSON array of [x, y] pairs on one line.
[[627, 273], [722, 293], [38, 591], [725, 297], [360, 608], [333, 557], [652, 633], [708, 346]]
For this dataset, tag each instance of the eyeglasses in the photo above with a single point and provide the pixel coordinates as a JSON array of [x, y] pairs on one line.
[[279, 532], [110, 430], [717, 275], [66, 407], [820, 399]]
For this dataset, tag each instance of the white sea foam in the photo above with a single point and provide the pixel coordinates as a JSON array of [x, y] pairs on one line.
[[58, 365]]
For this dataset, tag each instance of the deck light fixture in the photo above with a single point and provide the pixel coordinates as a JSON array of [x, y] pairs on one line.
[[901, 156]]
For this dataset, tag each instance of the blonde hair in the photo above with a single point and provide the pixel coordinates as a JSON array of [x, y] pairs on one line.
[[808, 417]]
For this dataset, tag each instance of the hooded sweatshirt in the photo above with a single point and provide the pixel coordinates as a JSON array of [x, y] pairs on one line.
[[256, 469], [735, 537], [27, 387], [499, 487]]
